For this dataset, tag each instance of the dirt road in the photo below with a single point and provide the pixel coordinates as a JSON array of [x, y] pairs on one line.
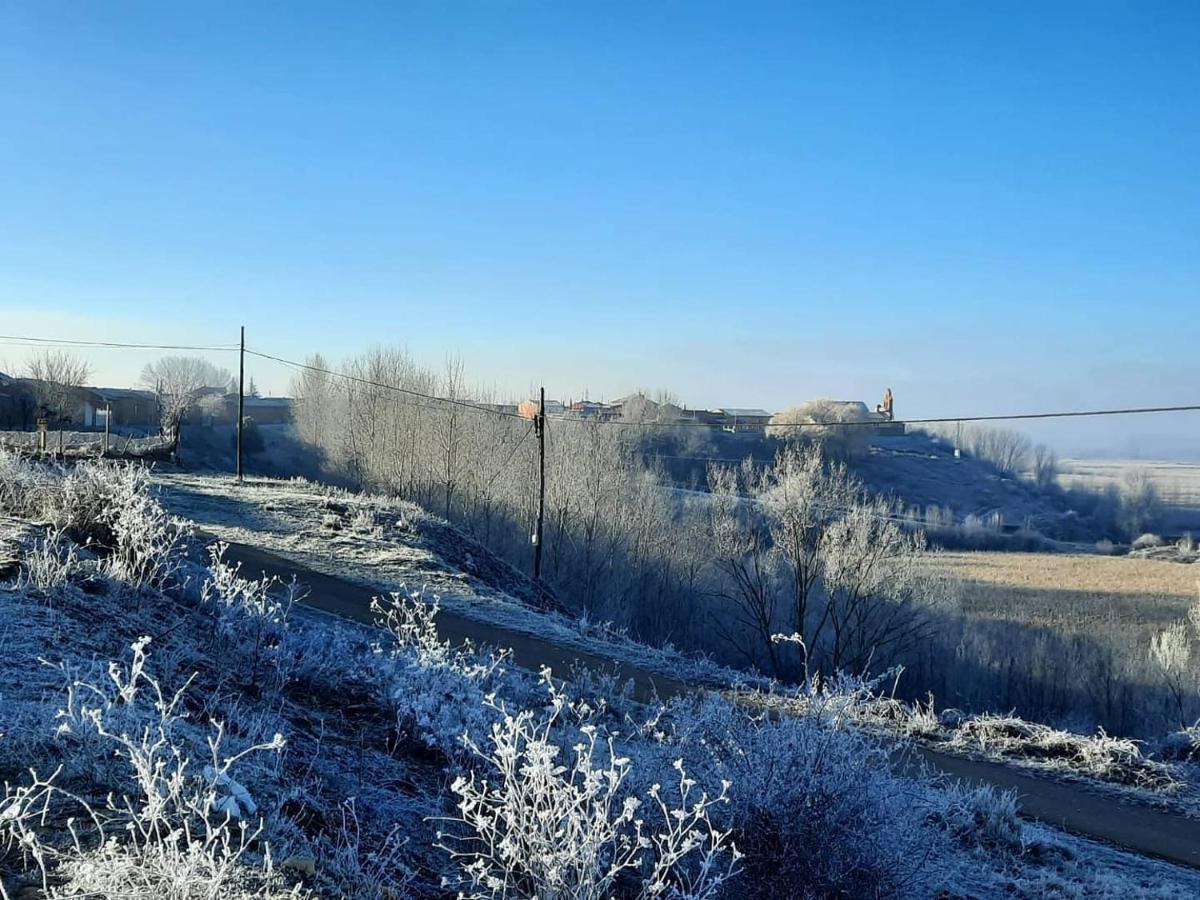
[[1068, 806]]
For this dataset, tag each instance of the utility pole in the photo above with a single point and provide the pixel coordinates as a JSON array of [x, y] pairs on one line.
[[539, 424], [241, 401]]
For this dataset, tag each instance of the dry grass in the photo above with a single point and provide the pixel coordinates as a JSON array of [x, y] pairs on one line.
[[1053, 588]]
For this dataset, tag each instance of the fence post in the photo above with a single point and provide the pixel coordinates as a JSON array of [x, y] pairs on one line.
[[241, 401], [107, 425], [540, 425]]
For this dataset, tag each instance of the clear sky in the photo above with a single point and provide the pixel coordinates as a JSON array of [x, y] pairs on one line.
[[990, 207]]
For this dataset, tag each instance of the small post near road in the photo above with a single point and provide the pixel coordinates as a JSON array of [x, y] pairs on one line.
[[241, 401], [107, 425], [539, 424]]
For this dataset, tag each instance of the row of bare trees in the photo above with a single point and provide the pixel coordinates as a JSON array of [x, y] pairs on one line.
[[796, 548]]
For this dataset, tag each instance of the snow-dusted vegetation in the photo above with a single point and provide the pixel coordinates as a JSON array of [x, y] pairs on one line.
[[795, 541], [172, 727]]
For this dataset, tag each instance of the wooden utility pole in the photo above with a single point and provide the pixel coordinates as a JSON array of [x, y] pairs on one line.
[[539, 424], [241, 401]]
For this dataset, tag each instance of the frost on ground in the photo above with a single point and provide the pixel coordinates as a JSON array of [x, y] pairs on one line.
[[381, 542], [194, 733]]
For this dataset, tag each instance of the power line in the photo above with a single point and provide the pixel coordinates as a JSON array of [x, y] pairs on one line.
[[876, 423], [38, 343], [386, 387]]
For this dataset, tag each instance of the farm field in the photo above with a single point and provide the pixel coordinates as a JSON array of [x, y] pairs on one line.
[[1178, 483], [1009, 585], [1045, 588]]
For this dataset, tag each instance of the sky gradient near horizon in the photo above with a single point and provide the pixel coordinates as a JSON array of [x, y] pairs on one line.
[[988, 207]]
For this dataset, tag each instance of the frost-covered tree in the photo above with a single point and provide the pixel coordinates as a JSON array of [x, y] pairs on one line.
[[803, 495], [832, 423], [744, 567], [1007, 450], [802, 547], [879, 588], [179, 381]]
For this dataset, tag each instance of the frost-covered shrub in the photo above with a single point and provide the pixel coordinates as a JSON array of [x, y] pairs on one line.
[[183, 830], [1101, 756], [1146, 541], [370, 868], [50, 562], [536, 825], [363, 522], [980, 817], [438, 692], [109, 506], [1182, 745], [20, 485], [251, 614], [815, 808]]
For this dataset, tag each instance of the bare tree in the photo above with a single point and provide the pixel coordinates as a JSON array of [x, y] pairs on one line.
[[878, 588], [1045, 467], [741, 548], [1004, 448], [179, 381], [56, 378], [1140, 505]]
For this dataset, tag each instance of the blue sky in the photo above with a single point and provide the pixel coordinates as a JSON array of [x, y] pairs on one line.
[[990, 207]]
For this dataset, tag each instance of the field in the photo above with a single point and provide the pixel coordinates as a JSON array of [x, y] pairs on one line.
[[1051, 588], [1178, 483], [1067, 639]]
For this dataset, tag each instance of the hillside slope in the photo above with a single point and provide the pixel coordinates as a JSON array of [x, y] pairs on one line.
[[917, 470], [236, 746]]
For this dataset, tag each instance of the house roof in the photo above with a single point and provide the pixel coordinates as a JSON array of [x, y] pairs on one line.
[[123, 393], [738, 412], [264, 402]]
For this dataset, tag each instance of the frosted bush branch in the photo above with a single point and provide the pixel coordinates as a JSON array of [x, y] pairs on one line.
[[179, 834], [538, 827]]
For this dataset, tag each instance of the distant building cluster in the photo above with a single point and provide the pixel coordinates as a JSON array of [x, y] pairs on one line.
[[640, 408], [23, 401]]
